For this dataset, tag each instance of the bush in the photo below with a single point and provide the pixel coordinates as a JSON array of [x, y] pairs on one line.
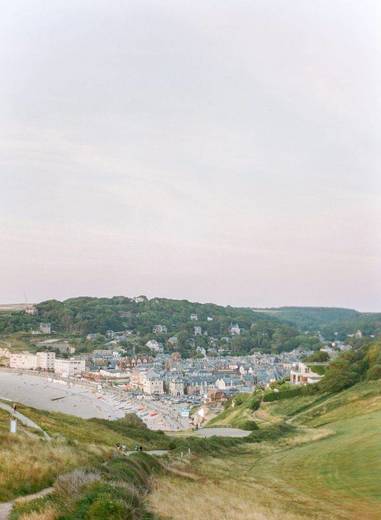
[[254, 404], [249, 425], [132, 420], [283, 394], [238, 400], [106, 507], [72, 483], [374, 372]]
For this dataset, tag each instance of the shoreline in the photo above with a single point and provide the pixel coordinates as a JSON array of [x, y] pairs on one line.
[[85, 399]]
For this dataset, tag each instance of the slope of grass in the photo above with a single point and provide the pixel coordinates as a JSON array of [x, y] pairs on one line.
[[95, 431], [114, 490], [329, 469], [28, 464]]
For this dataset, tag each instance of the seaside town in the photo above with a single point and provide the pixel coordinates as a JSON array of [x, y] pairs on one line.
[[161, 388]]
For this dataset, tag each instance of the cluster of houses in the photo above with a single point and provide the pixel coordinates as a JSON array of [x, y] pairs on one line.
[[224, 376]]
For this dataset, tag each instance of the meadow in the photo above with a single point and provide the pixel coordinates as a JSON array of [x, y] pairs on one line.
[[329, 468]]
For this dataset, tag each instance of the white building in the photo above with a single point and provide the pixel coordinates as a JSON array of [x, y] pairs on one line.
[[176, 387], [46, 360], [154, 345], [234, 329], [152, 384], [69, 367], [194, 317], [197, 330], [31, 309], [301, 374], [23, 361]]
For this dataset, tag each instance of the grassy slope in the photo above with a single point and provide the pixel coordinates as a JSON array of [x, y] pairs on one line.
[[330, 469], [28, 463], [94, 431]]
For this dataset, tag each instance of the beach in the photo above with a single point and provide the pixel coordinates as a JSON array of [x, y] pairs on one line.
[[87, 400]]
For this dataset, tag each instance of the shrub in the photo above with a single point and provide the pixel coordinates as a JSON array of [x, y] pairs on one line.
[[254, 404], [72, 483], [284, 394], [249, 425], [374, 372], [238, 400], [131, 419], [106, 507]]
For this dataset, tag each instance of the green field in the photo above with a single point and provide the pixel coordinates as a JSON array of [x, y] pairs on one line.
[[330, 468]]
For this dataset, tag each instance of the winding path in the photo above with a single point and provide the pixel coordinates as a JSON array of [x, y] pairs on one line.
[[6, 507], [24, 420]]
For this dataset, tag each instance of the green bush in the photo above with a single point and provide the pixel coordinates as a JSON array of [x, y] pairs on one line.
[[254, 404], [283, 394], [374, 372], [249, 425], [106, 507]]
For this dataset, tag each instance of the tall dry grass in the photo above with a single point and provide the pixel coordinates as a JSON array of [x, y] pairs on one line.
[[28, 464], [50, 513], [189, 500]]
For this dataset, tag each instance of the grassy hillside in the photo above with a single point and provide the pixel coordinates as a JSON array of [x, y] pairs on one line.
[[329, 468], [325, 466], [29, 463]]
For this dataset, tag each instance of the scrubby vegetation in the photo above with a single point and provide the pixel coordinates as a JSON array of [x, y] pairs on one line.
[[114, 490]]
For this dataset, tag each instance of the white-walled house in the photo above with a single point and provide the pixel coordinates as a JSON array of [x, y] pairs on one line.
[[301, 374], [69, 367], [23, 361], [29, 361], [154, 345], [197, 330], [234, 329], [176, 387], [46, 360], [152, 384]]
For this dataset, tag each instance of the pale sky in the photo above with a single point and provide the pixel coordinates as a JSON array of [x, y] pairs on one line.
[[223, 151]]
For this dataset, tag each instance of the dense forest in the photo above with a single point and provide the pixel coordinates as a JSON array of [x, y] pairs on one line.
[[81, 316], [266, 330]]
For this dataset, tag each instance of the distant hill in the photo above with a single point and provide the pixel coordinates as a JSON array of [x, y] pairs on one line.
[[84, 315], [328, 320], [311, 317]]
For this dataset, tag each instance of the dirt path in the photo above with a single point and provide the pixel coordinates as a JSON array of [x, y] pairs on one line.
[[6, 507], [23, 419]]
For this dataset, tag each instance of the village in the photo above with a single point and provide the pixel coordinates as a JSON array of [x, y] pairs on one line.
[[160, 387]]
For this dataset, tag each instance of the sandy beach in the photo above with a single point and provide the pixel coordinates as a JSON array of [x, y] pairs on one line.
[[87, 401], [39, 392]]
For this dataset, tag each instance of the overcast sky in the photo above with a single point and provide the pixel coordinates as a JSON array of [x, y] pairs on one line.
[[224, 151]]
